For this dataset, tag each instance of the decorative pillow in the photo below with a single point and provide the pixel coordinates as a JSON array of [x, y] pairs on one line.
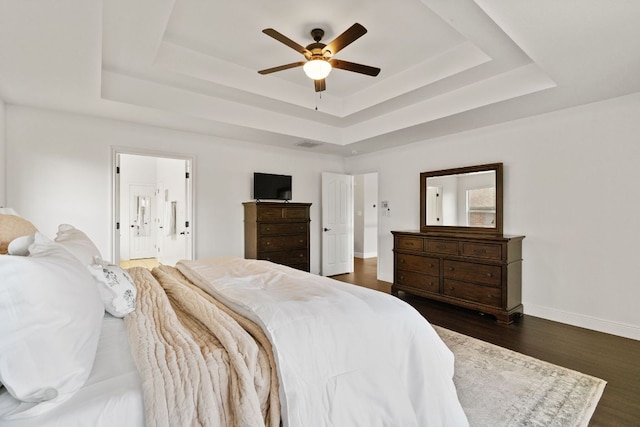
[[76, 242], [117, 290], [50, 320], [12, 226]]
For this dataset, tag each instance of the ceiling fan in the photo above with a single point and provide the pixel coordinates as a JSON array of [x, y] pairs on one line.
[[319, 56]]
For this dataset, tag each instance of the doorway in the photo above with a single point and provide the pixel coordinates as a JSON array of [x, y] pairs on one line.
[[152, 209], [365, 209], [355, 196]]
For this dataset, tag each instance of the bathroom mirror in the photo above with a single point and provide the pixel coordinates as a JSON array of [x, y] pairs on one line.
[[462, 200]]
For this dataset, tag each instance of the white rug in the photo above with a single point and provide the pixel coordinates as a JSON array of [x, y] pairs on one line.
[[499, 387]]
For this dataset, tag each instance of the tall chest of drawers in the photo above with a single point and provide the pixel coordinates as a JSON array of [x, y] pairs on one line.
[[483, 273], [277, 232]]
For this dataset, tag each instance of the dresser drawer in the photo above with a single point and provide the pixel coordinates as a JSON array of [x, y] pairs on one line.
[[296, 256], [295, 213], [472, 292], [409, 243], [274, 213], [417, 280], [418, 263], [279, 243], [448, 247], [470, 271], [269, 213], [269, 229], [481, 250]]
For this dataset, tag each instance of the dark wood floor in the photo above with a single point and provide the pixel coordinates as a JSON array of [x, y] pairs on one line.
[[611, 358]]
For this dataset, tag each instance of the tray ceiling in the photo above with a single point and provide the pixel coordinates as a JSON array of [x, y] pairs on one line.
[[192, 65]]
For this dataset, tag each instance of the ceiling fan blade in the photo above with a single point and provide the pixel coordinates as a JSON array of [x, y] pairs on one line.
[[286, 40], [320, 85], [343, 40], [282, 67], [352, 66]]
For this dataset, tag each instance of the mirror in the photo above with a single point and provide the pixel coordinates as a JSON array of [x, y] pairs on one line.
[[462, 200]]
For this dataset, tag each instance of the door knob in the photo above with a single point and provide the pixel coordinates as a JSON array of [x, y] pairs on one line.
[[327, 229]]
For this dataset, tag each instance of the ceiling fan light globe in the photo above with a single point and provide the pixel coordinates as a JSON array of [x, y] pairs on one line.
[[317, 69]]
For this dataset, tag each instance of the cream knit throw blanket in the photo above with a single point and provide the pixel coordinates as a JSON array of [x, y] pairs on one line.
[[200, 363]]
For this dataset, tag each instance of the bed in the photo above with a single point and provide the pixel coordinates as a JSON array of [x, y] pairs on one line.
[[223, 341]]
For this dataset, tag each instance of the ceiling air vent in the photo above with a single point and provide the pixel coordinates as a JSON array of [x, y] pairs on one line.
[[308, 144]]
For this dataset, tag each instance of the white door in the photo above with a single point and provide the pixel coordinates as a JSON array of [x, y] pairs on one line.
[[142, 231], [337, 224], [175, 228]]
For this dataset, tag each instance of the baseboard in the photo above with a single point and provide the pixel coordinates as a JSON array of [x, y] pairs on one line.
[[365, 254], [582, 321]]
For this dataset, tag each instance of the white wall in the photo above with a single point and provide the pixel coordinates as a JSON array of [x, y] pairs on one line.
[[59, 166], [3, 169], [570, 186], [370, 212], [365, 223], [358, 216]]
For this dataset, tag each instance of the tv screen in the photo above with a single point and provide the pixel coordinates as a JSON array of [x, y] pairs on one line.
[[267, 186]]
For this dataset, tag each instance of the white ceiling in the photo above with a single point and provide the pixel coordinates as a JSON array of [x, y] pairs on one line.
[[447, 66]]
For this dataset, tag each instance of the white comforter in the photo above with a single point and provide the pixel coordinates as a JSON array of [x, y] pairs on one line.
[[346, 355]]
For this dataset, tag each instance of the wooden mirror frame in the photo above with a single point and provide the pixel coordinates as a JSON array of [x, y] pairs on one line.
[[449, 229]]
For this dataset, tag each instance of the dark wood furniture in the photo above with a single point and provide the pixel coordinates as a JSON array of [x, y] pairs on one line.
[[277, 232], [460, 255], [481, 272]]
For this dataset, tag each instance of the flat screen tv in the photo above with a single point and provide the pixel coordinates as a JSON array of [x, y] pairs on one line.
[[267, 186]]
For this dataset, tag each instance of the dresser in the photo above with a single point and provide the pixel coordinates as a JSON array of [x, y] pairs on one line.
[[482, 273], [277, 232]]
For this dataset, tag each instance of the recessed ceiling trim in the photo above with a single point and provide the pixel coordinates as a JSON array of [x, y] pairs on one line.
[[514, 83], [123, 88], [182, 60], [458, 59]]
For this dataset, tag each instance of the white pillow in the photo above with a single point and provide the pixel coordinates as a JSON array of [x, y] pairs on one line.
[[117, 290], [20, 245], [76, 242], [50, 319]]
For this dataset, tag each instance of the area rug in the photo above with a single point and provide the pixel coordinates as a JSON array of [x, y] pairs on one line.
[[499, 387]]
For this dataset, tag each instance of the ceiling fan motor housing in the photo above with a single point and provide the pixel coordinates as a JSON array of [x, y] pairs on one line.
[[317, 34]]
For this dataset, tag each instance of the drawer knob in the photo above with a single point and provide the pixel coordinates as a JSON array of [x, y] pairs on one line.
[[480, 251], [268, 228], [401, 277], [431, 266], [301, 255], [402, 261], [489, 275], [489, 296], [268, 243], [451, 268], [451, 288]]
